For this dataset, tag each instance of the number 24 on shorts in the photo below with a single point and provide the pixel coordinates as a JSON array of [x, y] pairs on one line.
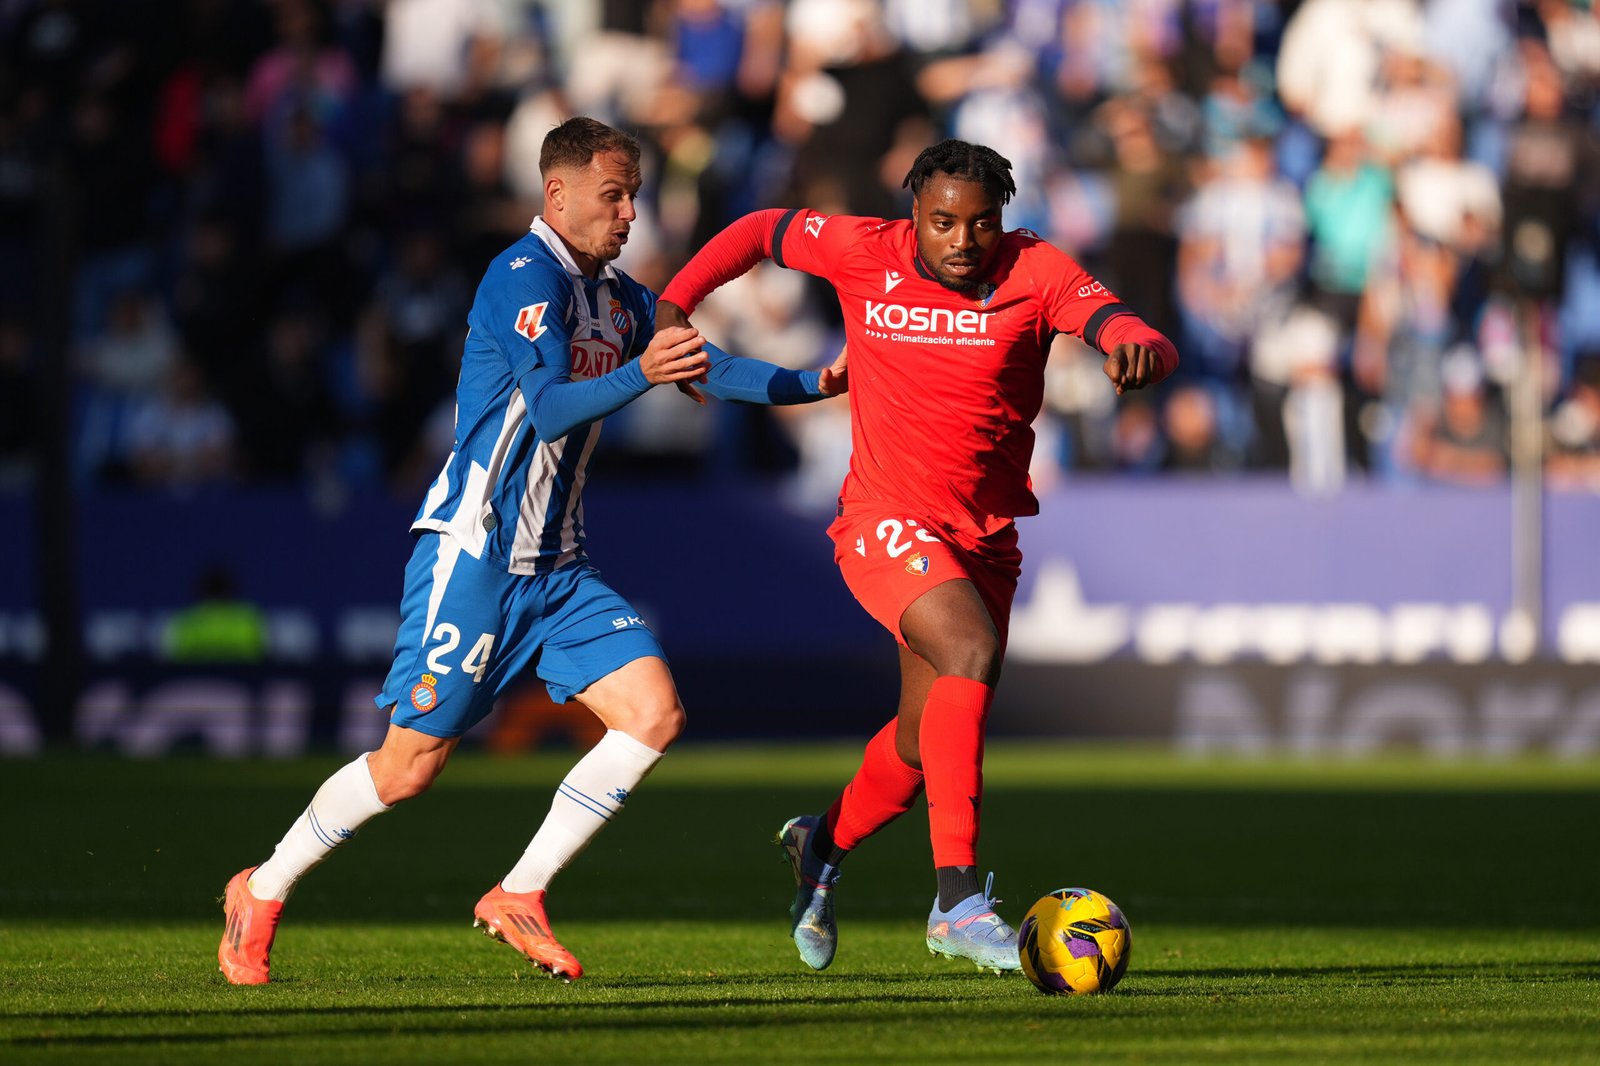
[[476, 661]]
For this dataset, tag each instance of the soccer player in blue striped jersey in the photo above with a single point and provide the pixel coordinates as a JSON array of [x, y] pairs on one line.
[[499, 583]]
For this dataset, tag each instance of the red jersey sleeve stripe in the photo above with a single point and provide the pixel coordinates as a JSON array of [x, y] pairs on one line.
[[1098, 321], [778, 233]]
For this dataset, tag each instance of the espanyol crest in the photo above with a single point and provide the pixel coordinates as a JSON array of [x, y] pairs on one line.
[[424, 694], [621, 321]]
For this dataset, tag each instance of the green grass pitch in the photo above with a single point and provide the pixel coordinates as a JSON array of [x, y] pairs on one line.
[[1379, 911]]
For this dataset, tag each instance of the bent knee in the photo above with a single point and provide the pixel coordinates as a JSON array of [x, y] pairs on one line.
[[659, 726], [655, 724], [396, 783], [972, 652], [978, 660]]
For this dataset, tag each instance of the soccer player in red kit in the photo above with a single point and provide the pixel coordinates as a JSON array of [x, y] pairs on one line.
[[948, 322]]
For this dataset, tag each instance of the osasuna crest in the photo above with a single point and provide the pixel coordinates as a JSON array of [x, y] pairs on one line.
[[918, 564], [530, 319]]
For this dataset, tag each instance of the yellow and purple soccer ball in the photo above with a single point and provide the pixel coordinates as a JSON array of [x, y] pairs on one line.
[[1075, 941]]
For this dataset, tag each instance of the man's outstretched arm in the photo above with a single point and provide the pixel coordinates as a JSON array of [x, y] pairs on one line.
[[557, 405], [740, 380], [730, 254], [724, 257]]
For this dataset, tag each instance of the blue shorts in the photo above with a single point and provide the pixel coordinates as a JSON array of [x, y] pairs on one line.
[[469, 629]]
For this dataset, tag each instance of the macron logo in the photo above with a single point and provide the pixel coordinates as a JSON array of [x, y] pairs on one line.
[[891, 278]]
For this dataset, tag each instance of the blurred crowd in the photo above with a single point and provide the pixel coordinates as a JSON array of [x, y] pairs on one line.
[[1367, 223]]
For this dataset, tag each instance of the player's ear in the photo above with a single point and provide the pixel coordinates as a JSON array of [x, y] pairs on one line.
[[555, 193]]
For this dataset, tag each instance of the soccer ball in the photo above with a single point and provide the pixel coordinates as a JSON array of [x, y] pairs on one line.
[[1075, 941]]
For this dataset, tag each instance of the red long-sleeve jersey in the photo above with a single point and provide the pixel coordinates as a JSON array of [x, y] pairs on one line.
[[944, 386]]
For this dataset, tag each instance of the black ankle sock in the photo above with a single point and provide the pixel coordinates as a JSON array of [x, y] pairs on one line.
[[823, 847], [956, 883]]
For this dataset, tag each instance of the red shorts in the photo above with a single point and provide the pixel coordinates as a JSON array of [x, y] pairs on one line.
[[890, 556]]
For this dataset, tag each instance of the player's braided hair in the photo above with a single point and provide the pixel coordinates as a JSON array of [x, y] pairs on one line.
[[578, 140], [967, 161]]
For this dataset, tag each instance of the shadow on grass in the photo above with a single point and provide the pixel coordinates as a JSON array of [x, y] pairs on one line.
[[1410, 975], [871, 1007], [680, 991], [835, 1002], [159, 845]]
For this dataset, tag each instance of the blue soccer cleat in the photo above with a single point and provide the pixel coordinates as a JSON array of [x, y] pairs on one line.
[[971, 930], [811, 915]]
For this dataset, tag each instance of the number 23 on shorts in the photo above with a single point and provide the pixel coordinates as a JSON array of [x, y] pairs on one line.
[[895, 537]]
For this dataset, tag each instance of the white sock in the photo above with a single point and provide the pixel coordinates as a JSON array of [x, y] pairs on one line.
[[345, 802], [594, 790]]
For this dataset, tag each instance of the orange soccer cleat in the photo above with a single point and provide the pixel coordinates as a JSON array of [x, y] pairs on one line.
[[518, 919], [247, 936]]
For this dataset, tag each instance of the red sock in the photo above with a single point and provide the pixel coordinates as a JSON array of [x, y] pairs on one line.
[[952, 759], [882, 790]]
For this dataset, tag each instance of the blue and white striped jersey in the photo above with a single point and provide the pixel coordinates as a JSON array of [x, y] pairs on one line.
[[550, 353]]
